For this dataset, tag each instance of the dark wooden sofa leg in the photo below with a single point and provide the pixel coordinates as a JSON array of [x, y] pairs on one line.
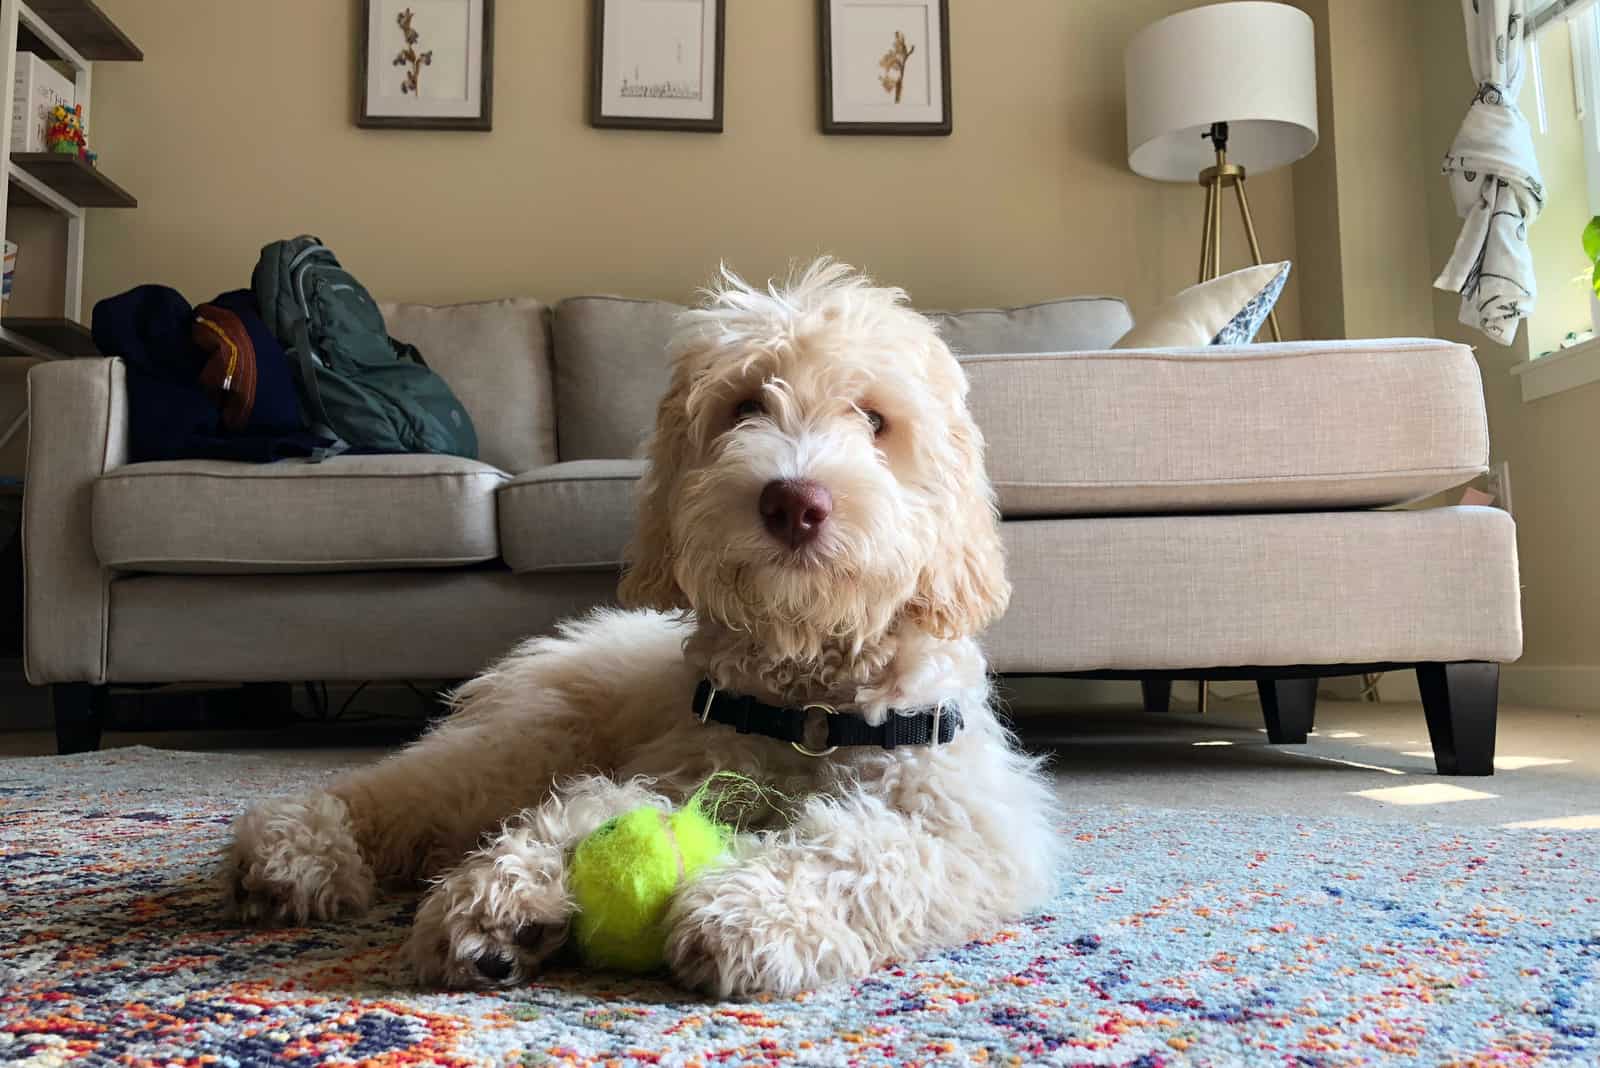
[[1290, 707], [1157, 695], [1461, 702], [80, 711]]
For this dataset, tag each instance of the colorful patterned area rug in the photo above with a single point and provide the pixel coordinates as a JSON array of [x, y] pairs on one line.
[[1178, 938]]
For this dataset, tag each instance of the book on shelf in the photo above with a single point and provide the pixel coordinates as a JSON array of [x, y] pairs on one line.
[[38, 87]]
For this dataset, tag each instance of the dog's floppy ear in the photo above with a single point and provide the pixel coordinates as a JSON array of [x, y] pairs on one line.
[[964, 587], [648, 581]]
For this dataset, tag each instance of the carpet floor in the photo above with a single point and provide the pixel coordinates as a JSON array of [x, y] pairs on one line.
[[1178, 938]]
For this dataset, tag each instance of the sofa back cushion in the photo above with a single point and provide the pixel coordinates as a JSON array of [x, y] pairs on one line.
[[495, 355], [611, 363], [611, 370], [1076, 324]]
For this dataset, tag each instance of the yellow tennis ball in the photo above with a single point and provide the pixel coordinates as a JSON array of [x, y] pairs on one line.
[[623, 876]]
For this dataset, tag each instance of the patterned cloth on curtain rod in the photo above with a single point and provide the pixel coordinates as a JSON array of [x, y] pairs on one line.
[[1494, 178]]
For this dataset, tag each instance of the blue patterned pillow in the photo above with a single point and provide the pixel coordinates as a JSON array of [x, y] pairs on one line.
[[1243, 327]]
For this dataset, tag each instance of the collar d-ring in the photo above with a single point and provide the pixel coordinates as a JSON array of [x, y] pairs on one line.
[[826, 710]]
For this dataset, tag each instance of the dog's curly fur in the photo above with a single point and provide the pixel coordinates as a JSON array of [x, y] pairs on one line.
[[886, 854]]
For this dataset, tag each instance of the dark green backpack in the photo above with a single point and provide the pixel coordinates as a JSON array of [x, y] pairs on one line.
[[359, 385]]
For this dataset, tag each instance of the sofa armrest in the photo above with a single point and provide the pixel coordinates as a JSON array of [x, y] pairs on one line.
[[77, 431]]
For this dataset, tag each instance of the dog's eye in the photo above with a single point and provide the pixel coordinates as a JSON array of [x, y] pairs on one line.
[[875, 420], [748, 409]]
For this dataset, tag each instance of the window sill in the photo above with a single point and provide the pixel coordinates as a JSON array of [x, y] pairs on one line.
[[1559, 371]]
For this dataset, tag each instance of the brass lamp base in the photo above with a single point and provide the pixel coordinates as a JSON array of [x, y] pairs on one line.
[[1216, 179]]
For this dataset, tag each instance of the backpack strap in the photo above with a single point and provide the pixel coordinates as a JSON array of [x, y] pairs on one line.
[[313, 395], [307, 360], [311, 249]]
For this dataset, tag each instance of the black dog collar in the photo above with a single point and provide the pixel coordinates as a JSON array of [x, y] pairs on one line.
[[787, 723]]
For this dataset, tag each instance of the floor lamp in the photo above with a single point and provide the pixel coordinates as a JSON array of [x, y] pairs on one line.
[[1215, 92]]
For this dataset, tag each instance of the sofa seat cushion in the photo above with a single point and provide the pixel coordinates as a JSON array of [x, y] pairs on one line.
[[1298, 426], [350, 513], [574, 516], [1120, 593]]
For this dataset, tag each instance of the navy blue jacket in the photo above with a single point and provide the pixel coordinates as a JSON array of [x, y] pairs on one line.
[[170, 417]]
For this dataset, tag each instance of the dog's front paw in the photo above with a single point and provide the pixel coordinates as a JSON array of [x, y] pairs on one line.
[[740, 932], [490, 923], [295, 860]]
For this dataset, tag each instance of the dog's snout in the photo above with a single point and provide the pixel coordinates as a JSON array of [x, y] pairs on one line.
[[795, 509]]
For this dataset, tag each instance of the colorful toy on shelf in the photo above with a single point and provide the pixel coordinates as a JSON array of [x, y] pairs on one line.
[[65, 134]]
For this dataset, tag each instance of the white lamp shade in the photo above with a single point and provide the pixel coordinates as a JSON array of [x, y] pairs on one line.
[[1252, 65]]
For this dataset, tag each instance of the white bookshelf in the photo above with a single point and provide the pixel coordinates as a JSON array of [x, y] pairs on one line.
[[78, 34]]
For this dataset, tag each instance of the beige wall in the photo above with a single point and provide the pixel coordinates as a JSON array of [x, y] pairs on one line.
[[1382, 192], [1361, 197], [236, 130], [1316, 200], [1551, 444]]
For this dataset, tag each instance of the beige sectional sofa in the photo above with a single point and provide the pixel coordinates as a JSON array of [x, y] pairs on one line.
[[1217, 512]]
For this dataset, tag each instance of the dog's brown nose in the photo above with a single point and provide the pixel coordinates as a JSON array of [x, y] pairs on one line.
[[795, 509]]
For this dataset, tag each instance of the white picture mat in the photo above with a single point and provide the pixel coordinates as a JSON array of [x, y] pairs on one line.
[[452, 85], [665, 45], [861, 31]]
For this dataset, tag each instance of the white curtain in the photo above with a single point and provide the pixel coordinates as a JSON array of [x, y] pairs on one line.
[[1494, 178]]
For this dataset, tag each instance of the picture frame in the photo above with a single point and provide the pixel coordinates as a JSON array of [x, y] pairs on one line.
[[872, 82], [426, 65], [657, 65]]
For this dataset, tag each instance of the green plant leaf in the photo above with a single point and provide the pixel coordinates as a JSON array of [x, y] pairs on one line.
[[1594, 279], [1591, 239]]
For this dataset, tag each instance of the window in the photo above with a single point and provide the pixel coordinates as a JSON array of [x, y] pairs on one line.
[[1559, 98]]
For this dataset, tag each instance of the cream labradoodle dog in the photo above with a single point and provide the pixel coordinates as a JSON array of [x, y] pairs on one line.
[[816, 534]]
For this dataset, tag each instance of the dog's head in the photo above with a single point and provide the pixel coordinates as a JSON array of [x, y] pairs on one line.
[[815, 476]]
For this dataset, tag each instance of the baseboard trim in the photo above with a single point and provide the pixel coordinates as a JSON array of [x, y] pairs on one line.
[[1540, 685]]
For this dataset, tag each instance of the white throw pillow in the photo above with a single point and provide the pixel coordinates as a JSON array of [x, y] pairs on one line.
[[1224, 311]]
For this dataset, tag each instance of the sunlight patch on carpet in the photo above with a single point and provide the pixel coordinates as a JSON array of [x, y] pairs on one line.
[[1425, 793], [1590, 822]]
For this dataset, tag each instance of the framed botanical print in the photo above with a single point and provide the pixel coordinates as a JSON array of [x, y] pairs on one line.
[[426, 64], [885, 66], [657, 64]]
